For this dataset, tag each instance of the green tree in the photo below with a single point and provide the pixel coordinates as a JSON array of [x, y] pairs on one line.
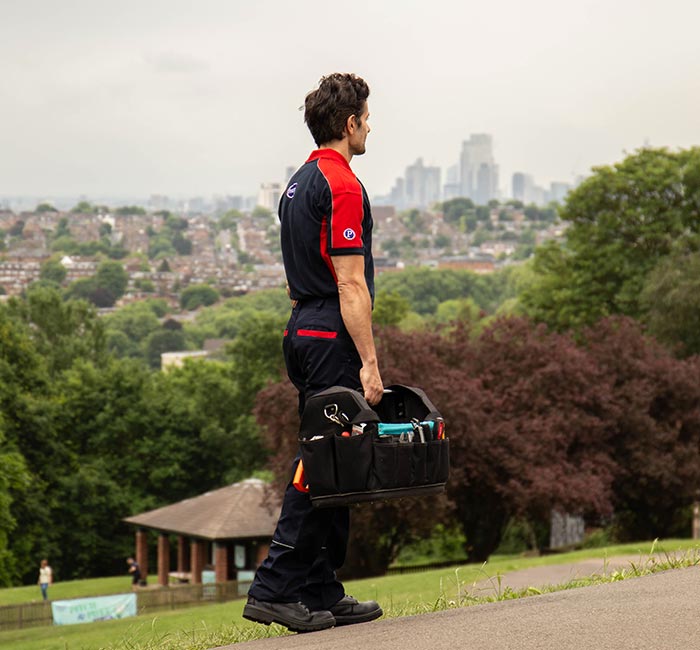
[[127, 210], [623, 220], [442, 241], [413, 220], [390, 308], [16, 228], [461, 309], [671, 300], [163, 340], [454, 209], [62, 229], [53, 271], [61, 331], [198, 295], [83, 207], [229, 220], [112, 278], [136, 321], [261, 213], [14, 480], [45, 207]]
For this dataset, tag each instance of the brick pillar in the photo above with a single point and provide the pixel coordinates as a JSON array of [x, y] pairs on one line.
[[181, 554], [163, 560], [196, 561], [142, 551], [221, 561], [263, 550]]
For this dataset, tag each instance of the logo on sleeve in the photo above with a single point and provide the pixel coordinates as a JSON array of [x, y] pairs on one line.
[[349, 234], [291, 190]]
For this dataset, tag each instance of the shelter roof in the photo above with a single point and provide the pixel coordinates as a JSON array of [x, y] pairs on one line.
[[237, 511]]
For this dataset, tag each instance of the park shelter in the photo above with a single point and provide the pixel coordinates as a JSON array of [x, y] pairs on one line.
[[228, 529]]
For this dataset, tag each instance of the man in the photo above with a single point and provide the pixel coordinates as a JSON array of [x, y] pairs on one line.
[[135, 571], [326, 233]]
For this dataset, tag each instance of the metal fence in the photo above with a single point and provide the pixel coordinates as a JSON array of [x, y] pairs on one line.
[[16, 617]]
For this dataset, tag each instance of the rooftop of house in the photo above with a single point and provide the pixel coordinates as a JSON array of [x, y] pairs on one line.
[[237, 511]]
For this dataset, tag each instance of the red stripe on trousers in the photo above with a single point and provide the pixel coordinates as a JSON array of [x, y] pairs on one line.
[[319, 334]]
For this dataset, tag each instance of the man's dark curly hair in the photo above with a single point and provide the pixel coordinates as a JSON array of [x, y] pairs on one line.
[[326, 109]]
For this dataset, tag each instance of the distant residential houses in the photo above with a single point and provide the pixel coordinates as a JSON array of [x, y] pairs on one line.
[[243, 259]]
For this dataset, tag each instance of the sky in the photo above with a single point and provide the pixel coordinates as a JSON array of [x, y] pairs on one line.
[[133, 98]]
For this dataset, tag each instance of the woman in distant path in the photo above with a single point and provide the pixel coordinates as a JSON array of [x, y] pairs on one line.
[[45, 578]]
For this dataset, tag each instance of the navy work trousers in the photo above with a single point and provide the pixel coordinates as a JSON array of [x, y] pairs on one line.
[[309, 544]]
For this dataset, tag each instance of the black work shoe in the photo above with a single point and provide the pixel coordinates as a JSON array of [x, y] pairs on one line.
[[348, 611], [294, 616]]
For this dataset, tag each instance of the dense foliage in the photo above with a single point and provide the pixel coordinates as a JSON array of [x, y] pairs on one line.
[[556, 396]]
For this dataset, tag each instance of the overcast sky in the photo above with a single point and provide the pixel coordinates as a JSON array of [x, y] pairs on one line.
[[183, 98]]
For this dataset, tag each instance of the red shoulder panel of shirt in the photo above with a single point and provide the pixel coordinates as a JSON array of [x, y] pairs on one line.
[[347, 212]]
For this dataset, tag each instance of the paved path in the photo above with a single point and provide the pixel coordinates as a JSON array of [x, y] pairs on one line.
[[558, 574], [657, 612]]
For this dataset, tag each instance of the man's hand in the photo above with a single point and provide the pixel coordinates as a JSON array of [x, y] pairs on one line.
[[371, 383]]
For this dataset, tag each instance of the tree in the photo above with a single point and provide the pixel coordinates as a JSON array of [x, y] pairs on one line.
[[163, 340], [83, 207], [229, 220], [53, 271], [528, 417], [45, 207], [671, 300], [16, 228], [60, 331], [390, 308], [136, 321], [454, 209], [623, 220], [198, 295], [127, 210], [14, 480], [656, 428], [413, 220], [261, 213], [112, 277]]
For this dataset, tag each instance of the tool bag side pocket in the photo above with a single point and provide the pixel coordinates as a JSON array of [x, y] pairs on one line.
[[433, 461], [353, 459], [419, 461], [319, 465], [384, 475], [444, 463]]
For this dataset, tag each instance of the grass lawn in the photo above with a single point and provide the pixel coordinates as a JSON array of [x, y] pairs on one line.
[[213, 625], [68, 589]]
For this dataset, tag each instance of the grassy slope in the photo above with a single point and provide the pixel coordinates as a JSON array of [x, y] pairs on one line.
[[394, 592]]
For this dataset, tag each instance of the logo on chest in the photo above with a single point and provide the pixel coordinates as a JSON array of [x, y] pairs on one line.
[[291, 190]]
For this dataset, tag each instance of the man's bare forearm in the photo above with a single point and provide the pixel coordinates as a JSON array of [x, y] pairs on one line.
[[356, 310]]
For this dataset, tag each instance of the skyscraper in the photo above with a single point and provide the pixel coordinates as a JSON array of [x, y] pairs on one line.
[[478, 170]]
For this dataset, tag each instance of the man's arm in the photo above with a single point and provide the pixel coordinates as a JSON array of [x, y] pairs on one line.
[[356, 310]]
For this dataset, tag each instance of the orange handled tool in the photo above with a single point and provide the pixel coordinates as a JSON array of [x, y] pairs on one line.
[[299, 480]]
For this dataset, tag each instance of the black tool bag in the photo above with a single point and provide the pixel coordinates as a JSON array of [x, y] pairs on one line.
[[353, 453]]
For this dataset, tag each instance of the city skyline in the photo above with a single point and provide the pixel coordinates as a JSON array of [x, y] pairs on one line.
[[151, 97]]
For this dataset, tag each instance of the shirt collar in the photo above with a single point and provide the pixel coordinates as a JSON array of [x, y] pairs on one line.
[[329, 154]]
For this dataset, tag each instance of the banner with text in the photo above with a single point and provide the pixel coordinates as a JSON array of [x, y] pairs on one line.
[[88, 610]]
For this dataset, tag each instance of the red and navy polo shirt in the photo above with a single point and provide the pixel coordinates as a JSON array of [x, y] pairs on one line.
[[324, 211]]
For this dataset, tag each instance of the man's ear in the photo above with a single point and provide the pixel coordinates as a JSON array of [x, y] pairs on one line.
[[351, 124]]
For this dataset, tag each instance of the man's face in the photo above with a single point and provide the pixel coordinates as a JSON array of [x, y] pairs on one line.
[[357, 139]]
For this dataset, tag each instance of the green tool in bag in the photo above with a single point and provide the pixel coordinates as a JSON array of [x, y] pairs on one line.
[[408, 431]]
